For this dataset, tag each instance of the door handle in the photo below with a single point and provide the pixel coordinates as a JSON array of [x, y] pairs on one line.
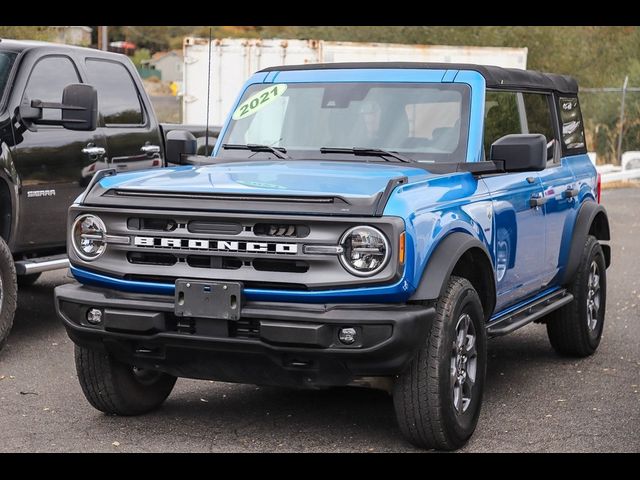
[[94, 151], [537, 200], [571, 192], [150, 149]]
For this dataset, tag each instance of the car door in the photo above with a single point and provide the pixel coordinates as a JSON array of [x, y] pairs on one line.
[[558, 181], [50, 161], [130, 127], [519, 224]]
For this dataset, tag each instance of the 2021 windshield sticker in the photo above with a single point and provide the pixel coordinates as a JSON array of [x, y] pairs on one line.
[[259, 100]]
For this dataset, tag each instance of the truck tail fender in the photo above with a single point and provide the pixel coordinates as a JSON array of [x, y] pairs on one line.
[[592, 219]]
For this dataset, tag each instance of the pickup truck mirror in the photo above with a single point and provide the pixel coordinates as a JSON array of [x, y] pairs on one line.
[[79, 109], [520, 153], [180, 143]]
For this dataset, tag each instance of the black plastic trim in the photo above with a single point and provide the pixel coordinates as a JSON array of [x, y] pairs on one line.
[[299, 345], [528, 313], [386, 194], [442, 262], [584, 220]]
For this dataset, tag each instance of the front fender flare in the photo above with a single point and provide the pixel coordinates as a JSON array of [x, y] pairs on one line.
[[442, 262]]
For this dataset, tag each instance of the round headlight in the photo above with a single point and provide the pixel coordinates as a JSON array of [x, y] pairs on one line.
[[365, 251], [87, 237]]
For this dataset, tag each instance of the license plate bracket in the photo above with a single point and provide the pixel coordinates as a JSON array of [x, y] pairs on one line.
[[208, 299]]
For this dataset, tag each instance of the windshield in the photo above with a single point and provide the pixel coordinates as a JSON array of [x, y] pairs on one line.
[[6, 62], [425, 122]]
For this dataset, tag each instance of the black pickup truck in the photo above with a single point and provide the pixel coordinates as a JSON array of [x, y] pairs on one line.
[[45, 162]]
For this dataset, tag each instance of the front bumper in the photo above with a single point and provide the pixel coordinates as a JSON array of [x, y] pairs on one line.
[[290, 344]]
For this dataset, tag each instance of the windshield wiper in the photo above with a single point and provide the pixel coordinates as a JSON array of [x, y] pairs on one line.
[[368, 152], [277, 151]]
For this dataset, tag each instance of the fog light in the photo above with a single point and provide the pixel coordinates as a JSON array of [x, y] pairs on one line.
[[347, 335], [94, 316]]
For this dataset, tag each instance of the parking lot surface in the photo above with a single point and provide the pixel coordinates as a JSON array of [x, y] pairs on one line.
[[535, 401]]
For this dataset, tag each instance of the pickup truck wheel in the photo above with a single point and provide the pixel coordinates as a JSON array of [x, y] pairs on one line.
[[576, 329], [28, 280], [8, 292], [437, 398], [117, 388]]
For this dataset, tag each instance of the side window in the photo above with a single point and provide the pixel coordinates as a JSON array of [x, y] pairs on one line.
[[572, 127], [47, 80], [118, 98], [501, 117], [539, 119]]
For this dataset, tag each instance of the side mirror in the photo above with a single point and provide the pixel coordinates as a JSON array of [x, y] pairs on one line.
[[79, 109], [520, 153], [179, 143]]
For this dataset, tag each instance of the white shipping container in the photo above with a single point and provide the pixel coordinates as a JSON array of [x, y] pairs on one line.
[[234, 60]]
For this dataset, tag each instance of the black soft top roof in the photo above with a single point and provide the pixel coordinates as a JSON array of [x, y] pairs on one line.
[[496, 77]]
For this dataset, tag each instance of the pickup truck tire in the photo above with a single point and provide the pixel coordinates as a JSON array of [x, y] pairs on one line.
[[576, 329], [117, 388], [28, 280], [437, 398], [8, 292]]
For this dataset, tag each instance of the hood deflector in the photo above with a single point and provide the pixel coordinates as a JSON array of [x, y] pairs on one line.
[[372, 206]]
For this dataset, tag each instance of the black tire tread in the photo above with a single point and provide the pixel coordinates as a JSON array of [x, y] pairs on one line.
[[9, 292], [413, 388], [102, 385], [564, 327]]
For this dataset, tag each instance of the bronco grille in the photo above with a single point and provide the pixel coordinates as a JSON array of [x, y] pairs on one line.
[[261, 251], [281, 230]]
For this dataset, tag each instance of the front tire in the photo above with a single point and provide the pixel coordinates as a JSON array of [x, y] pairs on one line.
[[8, 292], [117, 388], [576, 329], [437, 398]]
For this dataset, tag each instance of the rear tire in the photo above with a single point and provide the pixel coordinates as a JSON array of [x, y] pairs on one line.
[[28, 280], [437, 398], [576, 329], [8, 292], [117, 388]]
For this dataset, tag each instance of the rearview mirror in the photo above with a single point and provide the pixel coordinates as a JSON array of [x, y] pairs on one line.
[[79, 109], [520, 153]]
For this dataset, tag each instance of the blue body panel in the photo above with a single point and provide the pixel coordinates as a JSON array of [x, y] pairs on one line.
[[275, 177], [528, 247]]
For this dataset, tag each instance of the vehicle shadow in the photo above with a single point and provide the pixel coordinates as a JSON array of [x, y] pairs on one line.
[[236, 415], [35, 313]]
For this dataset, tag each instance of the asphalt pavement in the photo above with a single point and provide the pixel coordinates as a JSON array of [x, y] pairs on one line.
[[535, 401]]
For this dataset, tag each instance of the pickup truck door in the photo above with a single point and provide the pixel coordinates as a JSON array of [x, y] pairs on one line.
[[51, 161], [127, 119]]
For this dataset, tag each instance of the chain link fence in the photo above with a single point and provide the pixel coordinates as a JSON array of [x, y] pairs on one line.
[[612, 122]]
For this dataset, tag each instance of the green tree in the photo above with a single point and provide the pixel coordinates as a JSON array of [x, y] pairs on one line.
[[27, 33], [140, 55]]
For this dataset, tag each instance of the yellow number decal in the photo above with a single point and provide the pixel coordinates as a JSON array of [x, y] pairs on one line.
[[259, 100]]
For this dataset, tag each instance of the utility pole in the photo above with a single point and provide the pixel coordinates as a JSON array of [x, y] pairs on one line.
[[103, 42], [624, 91]]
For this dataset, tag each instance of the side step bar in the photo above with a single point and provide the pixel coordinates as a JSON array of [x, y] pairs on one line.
[[528, 313], [42, 264]]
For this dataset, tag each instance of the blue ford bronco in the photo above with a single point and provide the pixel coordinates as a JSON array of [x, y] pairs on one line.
[[363, 224]]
